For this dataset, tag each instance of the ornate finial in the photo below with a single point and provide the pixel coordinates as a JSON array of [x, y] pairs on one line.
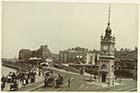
[[109, 14]]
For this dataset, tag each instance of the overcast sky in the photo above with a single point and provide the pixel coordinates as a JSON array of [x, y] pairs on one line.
[[65, 25]]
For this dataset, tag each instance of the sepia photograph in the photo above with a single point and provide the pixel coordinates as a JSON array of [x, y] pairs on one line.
[[69, 46]]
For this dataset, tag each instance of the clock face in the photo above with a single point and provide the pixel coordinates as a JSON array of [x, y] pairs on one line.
[[105, 48]]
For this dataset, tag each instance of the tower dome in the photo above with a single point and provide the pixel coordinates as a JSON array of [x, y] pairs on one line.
[[108, 29]]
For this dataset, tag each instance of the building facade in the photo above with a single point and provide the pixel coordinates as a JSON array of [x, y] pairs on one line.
[[74, 55], [79, 56], [126, 62], [55, 57], [43, 52], [24, 54], [92, 57]]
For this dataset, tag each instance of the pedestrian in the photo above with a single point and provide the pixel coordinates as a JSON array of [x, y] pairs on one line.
[[15, 85], [2, 85], [39, 72], [31, 78], [14, 77], [26, 78], [23, 82], [3, 81], [28, 75], [69, 82], [34, 77], [9, 79]]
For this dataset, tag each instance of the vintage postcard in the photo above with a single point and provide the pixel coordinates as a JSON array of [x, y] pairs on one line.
[[69, 46]]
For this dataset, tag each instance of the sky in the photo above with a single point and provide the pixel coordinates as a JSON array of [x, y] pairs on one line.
[[27, 25]]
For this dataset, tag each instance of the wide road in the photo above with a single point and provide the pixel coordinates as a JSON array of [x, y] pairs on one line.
[[80, 83], [74, 84]]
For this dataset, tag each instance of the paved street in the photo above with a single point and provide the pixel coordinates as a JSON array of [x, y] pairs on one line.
[[78, 83]]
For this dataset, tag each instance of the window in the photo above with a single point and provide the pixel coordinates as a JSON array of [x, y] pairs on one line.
[[103, 66], [107, 62]]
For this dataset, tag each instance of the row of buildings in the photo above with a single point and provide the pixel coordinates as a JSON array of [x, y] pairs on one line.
[[125, 58], [78, 56]]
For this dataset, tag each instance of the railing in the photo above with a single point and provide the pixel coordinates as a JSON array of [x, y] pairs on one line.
[[68, 68]]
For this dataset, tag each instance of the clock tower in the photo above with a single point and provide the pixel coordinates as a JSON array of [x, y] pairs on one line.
[[106, 62]]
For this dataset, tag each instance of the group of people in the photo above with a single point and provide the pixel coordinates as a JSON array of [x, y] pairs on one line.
[[10, 78], [26, 78], [14, 78]]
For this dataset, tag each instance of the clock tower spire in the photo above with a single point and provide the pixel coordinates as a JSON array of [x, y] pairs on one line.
[[109, 14]]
